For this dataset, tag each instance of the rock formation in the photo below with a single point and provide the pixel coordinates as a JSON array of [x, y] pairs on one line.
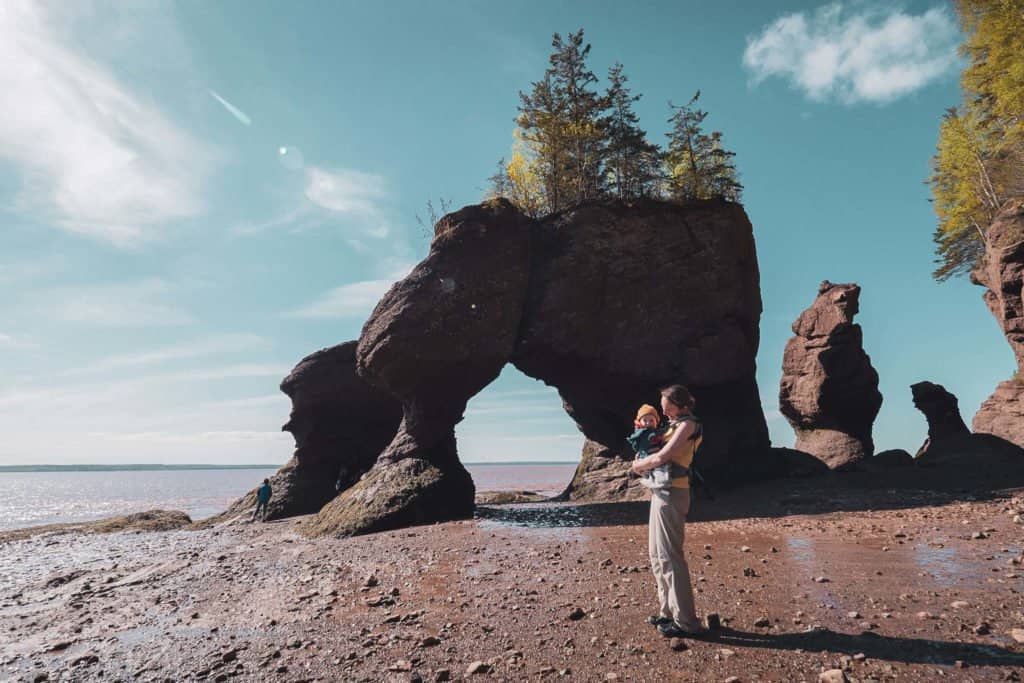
[[829, 390], [340, 425], [940, 410], [1001, 272], [606, 302]]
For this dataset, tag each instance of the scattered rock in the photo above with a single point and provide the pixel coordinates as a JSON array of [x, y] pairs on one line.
[[478, 667], [832, 676], [576, 614]]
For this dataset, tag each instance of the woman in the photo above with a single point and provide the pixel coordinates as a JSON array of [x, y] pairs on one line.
[[677, 617]]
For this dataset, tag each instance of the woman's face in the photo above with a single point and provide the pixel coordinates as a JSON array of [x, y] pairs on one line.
[[670, 409]]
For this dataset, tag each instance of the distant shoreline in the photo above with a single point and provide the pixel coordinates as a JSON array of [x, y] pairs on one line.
[[269, 466]]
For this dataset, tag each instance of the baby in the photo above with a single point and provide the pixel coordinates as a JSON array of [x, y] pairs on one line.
[[648, 438]]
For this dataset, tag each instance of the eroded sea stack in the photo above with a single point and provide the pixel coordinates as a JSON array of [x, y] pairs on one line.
[[1001, 272], [605, 302], [829, 390]]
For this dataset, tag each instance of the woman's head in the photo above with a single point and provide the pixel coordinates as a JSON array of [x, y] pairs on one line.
[[676, 400]]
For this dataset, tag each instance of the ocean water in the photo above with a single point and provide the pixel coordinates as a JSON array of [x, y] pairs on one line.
[[48, 497]]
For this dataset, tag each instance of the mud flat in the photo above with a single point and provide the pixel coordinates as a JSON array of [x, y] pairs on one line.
[[808, 577]]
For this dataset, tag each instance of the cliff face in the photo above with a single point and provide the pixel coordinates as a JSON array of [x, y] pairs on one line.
[[606, 302], [829, 390], [1001, 272]]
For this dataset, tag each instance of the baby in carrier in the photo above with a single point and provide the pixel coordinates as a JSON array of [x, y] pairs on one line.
[[648, 438]]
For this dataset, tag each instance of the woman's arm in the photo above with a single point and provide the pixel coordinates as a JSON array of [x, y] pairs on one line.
[[674, 445]]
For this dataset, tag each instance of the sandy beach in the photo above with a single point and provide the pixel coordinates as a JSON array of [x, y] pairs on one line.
[[808, 576]]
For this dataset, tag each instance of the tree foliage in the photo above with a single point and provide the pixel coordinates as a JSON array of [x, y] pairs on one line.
[[573, 144], [698, 166], [979, 159]]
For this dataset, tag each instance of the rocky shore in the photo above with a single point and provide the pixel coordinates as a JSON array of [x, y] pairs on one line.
[[820, 579]]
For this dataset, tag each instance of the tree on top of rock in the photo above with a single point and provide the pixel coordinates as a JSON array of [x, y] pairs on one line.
[[979, 159], [632, 165], [698, 166], [561, 126]]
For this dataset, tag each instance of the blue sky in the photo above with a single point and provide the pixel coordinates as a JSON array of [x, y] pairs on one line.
[[195, 195]]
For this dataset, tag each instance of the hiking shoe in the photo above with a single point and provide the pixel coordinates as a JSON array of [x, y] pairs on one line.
[[659, 621], [674, 630]]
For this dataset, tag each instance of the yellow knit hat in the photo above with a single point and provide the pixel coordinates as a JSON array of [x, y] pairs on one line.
[[646, 409]]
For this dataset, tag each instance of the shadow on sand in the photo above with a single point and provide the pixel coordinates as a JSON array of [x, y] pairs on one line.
[[875, 647]]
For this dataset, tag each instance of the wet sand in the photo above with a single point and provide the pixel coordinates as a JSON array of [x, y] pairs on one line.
[[885, 585]]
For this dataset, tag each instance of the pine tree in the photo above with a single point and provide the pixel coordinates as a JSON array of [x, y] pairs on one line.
[[697, 165], [560, 121], [632, 164]]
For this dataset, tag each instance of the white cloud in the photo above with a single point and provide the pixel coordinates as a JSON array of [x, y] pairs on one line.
[[147, 302], [12, 342], [96, 157], [349, 192], [872, 55], [352, 300]]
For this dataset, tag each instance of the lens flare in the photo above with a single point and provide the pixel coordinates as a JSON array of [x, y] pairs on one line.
[[290, 157]]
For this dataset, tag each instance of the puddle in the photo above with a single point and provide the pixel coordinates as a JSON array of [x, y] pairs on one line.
[[562, 515]]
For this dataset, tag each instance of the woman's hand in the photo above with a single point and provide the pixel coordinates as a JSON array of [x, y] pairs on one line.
[[637, 469]]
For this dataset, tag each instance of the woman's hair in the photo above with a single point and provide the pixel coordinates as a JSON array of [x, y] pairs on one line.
[[679, 396]]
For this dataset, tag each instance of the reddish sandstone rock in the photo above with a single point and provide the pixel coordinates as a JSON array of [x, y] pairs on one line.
[[829, 390], [940, 410], [1001, 272], [340, 424]]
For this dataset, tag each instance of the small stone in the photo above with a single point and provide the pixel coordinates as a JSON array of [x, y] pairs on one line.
[[960, 664], [821, 579], [726, 653], [732, 679], [1017, 634], [978, 535], [576, 614], [442, 675], [430, 641], [748, 571], [983, 629], [745, 549], [401, 665], [926, 615], [677, 644], [371, 581], [853, 615], [229, 656], [859, 657], [763, 622], [959, 604], [478, 667]]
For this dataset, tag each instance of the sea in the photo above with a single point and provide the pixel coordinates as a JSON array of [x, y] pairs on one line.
[[32, 495]]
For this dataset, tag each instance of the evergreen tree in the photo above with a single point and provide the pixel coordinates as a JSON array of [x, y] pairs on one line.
[[632, 164], [697, 165], [560, 122], [979, 159]]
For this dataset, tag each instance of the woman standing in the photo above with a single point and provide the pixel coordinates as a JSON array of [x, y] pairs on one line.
[[669, 506]]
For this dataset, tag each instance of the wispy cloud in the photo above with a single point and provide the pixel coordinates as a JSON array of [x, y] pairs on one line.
[[870, 54], [125, 304], [240, 344], [350, 192], [355, 299], [98, 158], [232, 109], [12, 342]]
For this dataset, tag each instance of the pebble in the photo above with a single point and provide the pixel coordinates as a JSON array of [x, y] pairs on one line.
[[442, 675], [821, 579], [677, 644], [478, 667], [430, 641], [926, 615], [983, 629], [576, 614], [853, 615], [1017, 634], [763, 622], [978, 535], [959, 604]]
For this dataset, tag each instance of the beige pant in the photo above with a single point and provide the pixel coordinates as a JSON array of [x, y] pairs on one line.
[[665, 533]]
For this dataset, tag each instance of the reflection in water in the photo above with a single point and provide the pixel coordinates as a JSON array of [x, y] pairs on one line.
[[553, 515]]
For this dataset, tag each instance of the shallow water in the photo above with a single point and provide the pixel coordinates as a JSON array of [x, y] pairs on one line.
[[32, 498]]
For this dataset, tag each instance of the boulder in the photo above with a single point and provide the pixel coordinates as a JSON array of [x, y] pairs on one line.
[[829, 390], [940, 410], [892, 458], [1001, 272], [340, 424]]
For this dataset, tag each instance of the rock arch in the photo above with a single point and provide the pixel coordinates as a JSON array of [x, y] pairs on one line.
[[606, 302]]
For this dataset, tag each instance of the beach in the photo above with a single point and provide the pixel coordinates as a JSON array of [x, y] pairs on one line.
[[808, 576]]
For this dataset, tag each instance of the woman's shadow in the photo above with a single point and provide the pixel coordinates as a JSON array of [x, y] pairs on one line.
[[874, 647]]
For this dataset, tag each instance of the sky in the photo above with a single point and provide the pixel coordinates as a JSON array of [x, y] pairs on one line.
[[194, 196]]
